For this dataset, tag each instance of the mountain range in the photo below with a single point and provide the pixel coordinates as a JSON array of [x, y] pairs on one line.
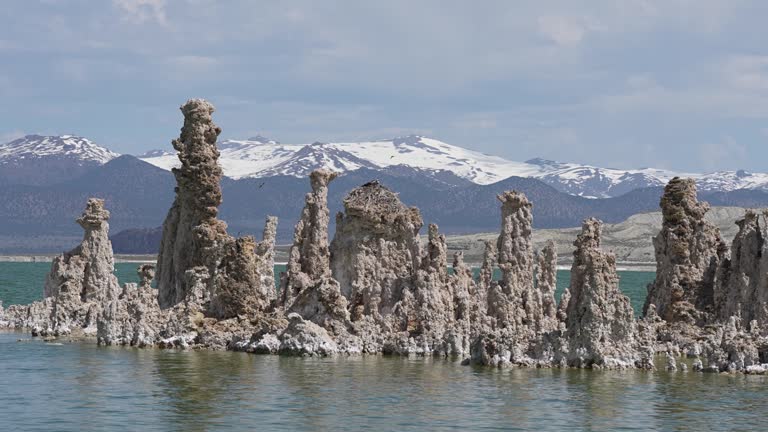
[[453, 187], [262, 157]]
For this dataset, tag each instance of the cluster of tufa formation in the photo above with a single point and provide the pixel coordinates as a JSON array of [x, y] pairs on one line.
[[307, 287], [593, 326], [375, 288], [708, 302], [208, 283], [194, 239], [741, 289], [80, 283], [688, 252], [599, 318]]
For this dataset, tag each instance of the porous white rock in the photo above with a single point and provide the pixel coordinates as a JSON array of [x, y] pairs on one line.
[[79, 284], [688, 251], [600, 322], [305, 338], [742, 283], [307, 287], [134, 317], [375, 252], [193, 236], [521, 327]]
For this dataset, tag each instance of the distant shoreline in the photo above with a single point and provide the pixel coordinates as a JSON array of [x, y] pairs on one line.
[[119, 258], [124, 258]]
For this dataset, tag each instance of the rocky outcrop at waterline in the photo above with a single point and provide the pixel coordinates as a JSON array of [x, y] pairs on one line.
[[592, 327], [517, 324], [374, 288], [708, 302], [134, 317], [376, 250], [688, 251], [79, 284], [192, 234], [307, 287], [742, 279], [600, 324], [194, 239]]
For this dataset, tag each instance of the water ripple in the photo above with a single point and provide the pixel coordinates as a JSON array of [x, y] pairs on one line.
[[84, 387]]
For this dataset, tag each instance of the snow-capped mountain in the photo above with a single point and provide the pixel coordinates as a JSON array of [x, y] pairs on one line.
[[593, 182], [36, 159], [261, 157], [60, 147]]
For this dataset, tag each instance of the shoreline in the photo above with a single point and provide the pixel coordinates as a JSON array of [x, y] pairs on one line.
[[45, 258], [142, 259]]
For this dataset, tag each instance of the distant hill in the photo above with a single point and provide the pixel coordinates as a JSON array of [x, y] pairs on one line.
[[46, 180], [38, 160], [137, 241], [139, 194], [630, 240], [260, 157]]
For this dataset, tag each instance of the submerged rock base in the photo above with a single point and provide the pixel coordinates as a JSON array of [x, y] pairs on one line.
[[375, 289]]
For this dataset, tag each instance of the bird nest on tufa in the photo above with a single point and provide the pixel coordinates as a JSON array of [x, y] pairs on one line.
[[374, 199]]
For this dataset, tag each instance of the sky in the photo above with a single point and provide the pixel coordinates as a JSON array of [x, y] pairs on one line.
[[676, 84]]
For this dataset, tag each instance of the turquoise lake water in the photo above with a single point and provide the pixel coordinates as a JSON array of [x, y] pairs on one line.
[[83, 387], [22, 283]]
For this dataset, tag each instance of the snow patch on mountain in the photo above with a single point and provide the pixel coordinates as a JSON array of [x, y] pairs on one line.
[[156, 154]]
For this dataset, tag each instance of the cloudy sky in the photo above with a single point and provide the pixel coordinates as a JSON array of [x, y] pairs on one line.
[[679, 84]]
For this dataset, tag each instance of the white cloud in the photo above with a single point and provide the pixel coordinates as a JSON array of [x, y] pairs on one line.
[[729, 89], [726, 152], [747, 72], [558, 78], [476, 121], [141, 11], [562, 30]]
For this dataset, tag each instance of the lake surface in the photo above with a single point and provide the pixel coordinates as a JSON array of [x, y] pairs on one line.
[[83, 387], [22, 282]]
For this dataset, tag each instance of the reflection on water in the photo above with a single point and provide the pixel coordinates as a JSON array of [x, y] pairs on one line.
[[73, 387], [84, 387]]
